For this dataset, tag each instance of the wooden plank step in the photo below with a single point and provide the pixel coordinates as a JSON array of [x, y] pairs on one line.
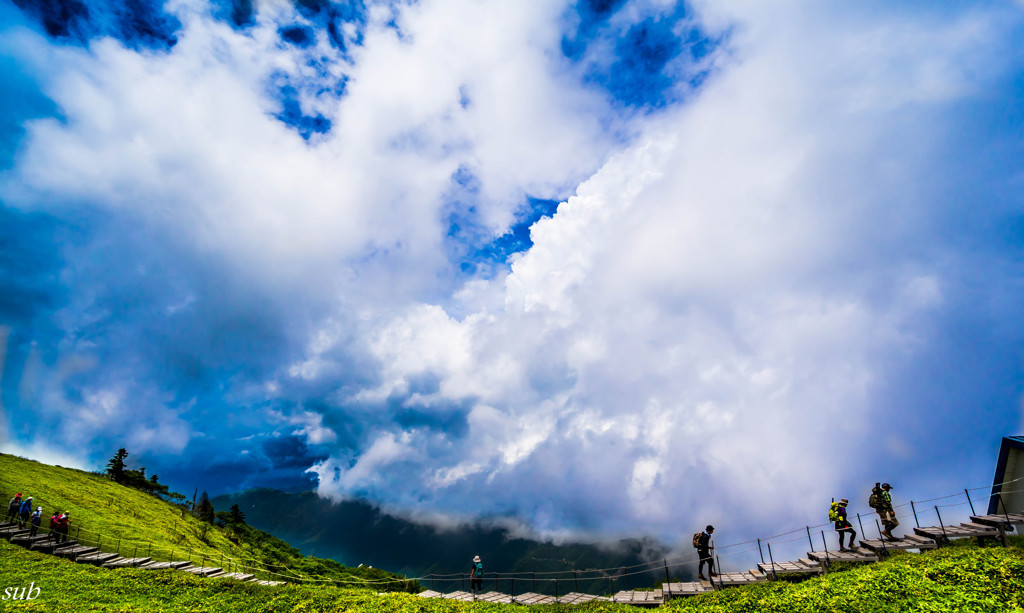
[[166, 565], [962, 531], [216, 575], [202, 571], [530, 598], [270, 583], [734, 578], [877, 546], [237, 576], [577, 598], [639, 598], [27, 541], [496, 597], [999, 519], [97, 559], [706, 584], [843, 556], [9, 533], [127, 562], [460, 595], [74, 551], [689, 588], [50, 545], [429, 594]]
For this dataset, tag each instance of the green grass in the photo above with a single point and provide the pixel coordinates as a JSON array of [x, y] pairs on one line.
[[130, 522]]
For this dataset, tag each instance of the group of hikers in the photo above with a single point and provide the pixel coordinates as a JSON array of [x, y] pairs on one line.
[[21, 511], [880, 500]]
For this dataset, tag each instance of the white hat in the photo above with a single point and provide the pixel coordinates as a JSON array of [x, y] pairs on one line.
[[476, 558], [39, 508]]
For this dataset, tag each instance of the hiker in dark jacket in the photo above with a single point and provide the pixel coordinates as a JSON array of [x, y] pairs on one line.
[[844, 527], [37, 518], [476, 583], [26, 512], [13, 508], [704, 550]]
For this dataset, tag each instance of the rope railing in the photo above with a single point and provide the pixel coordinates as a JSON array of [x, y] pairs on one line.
[[256, 566]]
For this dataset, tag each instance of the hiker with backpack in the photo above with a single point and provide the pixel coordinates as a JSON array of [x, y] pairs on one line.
[[702, 542], [25, 513], [476, 582], [881, 502], [37, 518], [13, 508], [62, 527], [837, 514]]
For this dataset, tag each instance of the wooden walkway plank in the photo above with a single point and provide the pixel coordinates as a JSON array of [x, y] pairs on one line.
[[429, 594], [97, 559], [999, 519], [127, 562], [463, 596], [495, 597], [690, 588], [532, 598], [641, 598], [858, 555]]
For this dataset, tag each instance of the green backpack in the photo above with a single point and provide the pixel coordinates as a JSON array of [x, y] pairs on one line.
[[833, 512]]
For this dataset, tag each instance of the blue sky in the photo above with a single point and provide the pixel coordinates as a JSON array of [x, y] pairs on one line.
[[596, 269]]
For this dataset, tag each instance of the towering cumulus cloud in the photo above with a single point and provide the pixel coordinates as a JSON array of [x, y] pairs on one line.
[[592, 269]]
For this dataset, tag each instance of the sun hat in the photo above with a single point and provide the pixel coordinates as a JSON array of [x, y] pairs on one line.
[[844, 502], [476, 558]]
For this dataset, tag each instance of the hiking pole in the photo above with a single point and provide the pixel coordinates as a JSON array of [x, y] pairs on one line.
[[914, 509], [945, 538], [968, 494]]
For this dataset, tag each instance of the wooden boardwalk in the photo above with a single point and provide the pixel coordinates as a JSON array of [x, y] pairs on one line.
[[83, 554], [640, 598]]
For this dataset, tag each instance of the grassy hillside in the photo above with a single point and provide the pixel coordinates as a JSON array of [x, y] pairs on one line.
[[958, 578], [134, 523]]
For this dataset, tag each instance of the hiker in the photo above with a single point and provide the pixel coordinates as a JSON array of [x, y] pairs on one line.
[[13, 508], [837, 513], [476, 582], [62, 527], [54, 522], [37, 518], [881, 502], [26, 512], [704, 550]]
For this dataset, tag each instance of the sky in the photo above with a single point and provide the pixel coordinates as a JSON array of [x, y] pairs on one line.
[[593, 269]]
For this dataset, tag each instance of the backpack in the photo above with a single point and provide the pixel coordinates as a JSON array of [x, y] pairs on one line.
[[875, 500], [696, 540], [833, 512]]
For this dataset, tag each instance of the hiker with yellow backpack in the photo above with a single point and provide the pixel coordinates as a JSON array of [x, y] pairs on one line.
[[837, 514]]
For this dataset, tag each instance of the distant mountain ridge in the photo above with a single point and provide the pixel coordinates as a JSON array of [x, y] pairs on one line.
[[356, 533]]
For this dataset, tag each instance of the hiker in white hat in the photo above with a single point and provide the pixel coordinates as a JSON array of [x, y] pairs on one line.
[[477, 577]]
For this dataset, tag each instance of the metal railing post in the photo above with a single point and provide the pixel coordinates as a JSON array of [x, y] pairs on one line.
[[914, 509], [774, 574], [881, 539], [945, 539], [809, 538], [969, 501], [760, 551]]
